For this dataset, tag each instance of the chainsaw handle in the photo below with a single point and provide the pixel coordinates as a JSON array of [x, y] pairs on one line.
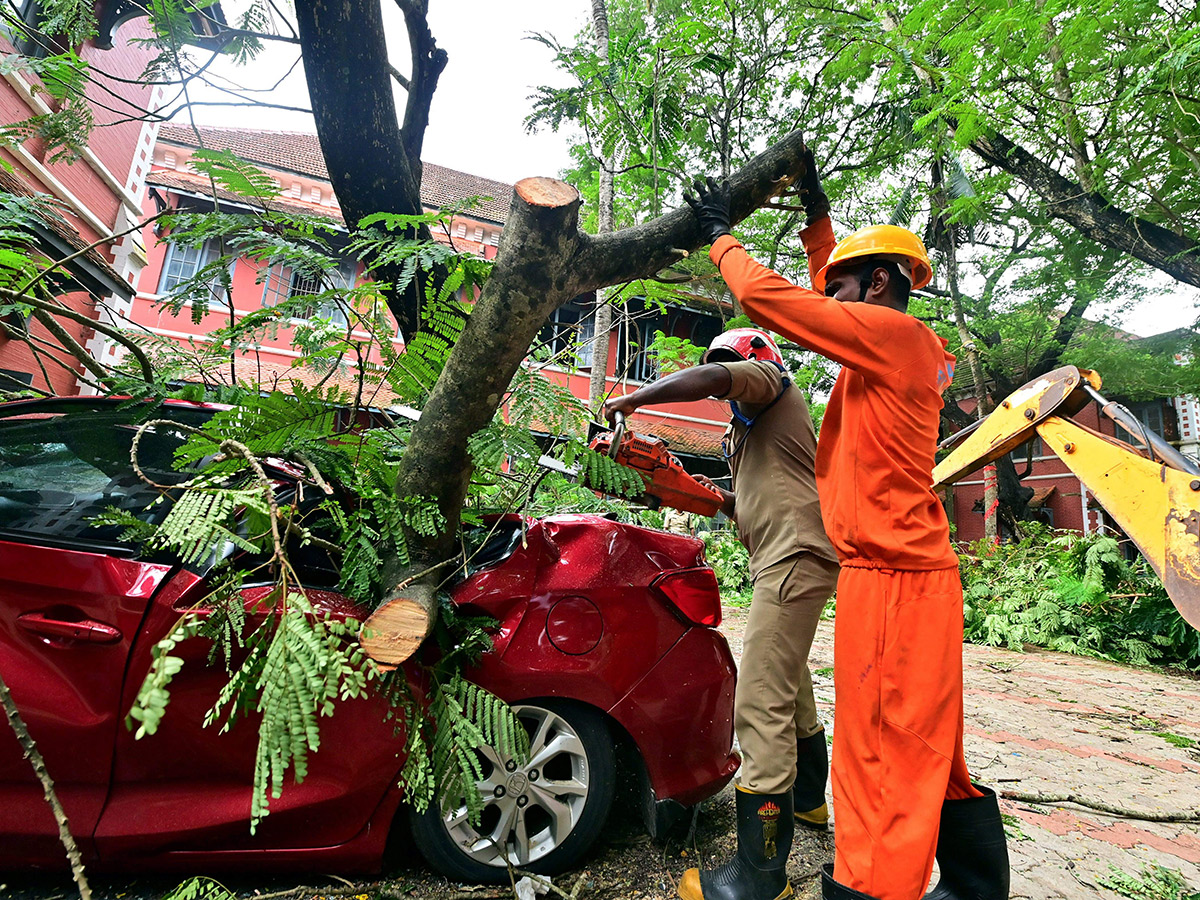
[[618, 434]]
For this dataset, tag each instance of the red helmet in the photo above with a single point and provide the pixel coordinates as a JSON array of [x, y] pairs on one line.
[[747, 343]]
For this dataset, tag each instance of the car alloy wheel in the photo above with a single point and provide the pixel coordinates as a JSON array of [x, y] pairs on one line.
[[541, 815]]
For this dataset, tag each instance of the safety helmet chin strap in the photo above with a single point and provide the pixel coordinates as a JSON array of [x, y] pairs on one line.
[[864, 283]]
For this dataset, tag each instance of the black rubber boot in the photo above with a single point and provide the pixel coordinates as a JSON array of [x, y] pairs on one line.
[[971, 850], [758, 871], [832, 890], [808, 792]]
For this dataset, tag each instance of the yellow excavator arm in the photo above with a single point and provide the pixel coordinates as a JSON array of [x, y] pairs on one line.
[[1152, 491]]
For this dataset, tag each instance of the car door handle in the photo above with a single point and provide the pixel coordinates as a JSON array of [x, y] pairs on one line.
[[84, 630]]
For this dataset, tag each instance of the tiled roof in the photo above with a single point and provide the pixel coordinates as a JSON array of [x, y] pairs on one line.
[[271, 376], [199, 185], [11, 184], [682, 439], [300, 152]]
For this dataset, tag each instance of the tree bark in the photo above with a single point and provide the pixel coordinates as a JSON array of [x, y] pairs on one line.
[[1092, 215], [373, 165], [983, 404], [598, 384], [1065, 92]]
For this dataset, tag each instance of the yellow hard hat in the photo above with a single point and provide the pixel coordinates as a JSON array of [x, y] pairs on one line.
[[887, 241]]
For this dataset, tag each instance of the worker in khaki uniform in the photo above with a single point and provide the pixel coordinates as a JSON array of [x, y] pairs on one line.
[[900, 782], [771, 450]]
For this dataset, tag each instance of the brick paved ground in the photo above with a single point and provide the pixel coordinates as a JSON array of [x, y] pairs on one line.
[[1048, 723]]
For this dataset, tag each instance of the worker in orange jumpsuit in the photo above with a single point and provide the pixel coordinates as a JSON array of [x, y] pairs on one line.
[[901, 788]]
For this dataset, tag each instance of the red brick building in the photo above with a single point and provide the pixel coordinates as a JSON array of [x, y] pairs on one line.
[[99, 194]]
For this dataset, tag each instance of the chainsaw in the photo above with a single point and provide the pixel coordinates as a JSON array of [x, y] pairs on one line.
[[667, 482]]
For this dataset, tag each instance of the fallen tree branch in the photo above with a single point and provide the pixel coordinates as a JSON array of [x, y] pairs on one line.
[[1092, 214], [17, 724], [1099, 806]]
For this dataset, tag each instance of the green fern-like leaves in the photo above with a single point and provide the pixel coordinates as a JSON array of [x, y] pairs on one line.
[[271, 425], [463, 717], [604, 474], [201, 889], [203, 520], [300, 664], [1074, 594], [151, 703], [234, 174], [1154, 883]]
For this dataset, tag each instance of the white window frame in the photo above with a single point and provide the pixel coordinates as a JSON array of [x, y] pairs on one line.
[[282, 282], [573, 329], [26, 12], [191, 260]]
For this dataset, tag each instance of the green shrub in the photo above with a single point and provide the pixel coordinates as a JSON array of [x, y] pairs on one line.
[[1073, 593], [731, 563]]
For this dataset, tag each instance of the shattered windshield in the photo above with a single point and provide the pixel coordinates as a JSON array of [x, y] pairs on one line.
[[58, 470]]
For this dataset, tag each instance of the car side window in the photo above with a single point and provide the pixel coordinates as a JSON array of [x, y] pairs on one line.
[[58, 472]]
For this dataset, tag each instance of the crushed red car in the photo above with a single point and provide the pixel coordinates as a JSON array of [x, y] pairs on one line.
[[606, 646]]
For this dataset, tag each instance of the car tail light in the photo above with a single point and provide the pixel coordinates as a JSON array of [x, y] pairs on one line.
[[693, 592]]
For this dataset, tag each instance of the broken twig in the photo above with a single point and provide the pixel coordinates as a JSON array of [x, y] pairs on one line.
[[1111, 809]]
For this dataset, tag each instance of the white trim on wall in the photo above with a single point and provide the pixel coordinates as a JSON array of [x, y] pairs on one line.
[[127, 199], [60, 190]]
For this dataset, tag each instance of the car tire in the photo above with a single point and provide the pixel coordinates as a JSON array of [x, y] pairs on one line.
[[543, 830]]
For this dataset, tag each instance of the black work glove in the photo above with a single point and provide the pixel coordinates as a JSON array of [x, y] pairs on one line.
[[712, 207], [812, 195]]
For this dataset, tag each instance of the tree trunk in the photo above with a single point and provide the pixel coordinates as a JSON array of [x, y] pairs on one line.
[[983, 404], [395, 631], [1065, 92], [597, 384], [373, 165], [543, 261], [1092, 215]]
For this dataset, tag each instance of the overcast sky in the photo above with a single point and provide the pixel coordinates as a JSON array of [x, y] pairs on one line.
[[476, 122]]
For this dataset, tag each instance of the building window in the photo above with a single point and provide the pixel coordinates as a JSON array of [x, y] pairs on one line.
[[634, 359], [283, 283], [1031, 449], [169, 159], [704, 330], [460, 230], [183, 262], [493, 238], [569, 336], [19, 22], [478, 238], [14, 379], [645, 363], [1150, 414], [314, 195]]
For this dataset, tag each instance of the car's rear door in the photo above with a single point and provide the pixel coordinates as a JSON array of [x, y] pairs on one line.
[[72, 599]]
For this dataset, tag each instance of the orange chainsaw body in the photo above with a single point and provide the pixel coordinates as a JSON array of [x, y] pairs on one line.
[[667, 482]]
